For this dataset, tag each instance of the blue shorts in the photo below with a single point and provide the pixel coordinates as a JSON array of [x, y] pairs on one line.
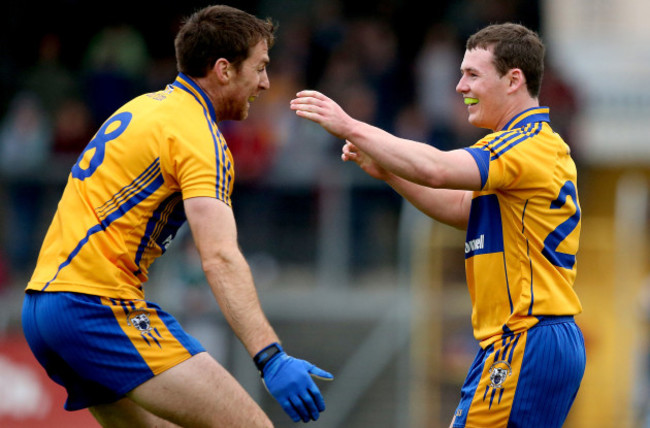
[[99, 348], [529, 379]]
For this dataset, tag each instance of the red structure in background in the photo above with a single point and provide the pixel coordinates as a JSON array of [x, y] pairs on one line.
[[28, 398]]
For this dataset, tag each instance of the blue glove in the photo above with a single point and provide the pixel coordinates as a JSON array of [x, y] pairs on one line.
[[289, 381]]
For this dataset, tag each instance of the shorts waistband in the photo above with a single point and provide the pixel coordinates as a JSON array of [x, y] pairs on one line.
[[554, 319]]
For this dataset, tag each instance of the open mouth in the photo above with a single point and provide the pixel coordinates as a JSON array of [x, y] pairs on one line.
[[251, 98], [470, 101]]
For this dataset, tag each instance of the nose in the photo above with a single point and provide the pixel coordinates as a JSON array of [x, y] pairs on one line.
[[462, 86], [265, 83]]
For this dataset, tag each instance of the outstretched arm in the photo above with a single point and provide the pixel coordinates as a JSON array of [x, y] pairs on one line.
[[413, 161]]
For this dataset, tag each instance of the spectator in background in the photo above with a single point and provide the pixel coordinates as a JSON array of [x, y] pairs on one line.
[[563, 99], [436, 73], [329, 29], [115, 68], [375, 44], [49, 79], [73, 128], [25, 142]]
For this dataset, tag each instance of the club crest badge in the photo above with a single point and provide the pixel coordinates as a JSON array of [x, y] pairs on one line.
[[139, 319], [499, 372]]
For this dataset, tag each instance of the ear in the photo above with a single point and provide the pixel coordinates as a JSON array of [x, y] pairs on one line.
[[223, 70], [516, 80]]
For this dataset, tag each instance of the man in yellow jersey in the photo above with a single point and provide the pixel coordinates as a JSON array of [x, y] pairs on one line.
[[515, 192], [156, 162]]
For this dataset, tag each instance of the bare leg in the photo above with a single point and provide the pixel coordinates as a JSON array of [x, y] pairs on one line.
[[126, 414], [198, 392]]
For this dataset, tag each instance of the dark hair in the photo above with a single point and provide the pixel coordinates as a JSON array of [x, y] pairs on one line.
[[219, 32], [513, 46]]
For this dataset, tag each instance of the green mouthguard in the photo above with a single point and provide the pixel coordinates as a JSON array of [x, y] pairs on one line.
[[469, 101]]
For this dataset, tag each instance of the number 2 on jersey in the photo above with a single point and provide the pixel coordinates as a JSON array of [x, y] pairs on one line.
[[99, 144], [553, 240]]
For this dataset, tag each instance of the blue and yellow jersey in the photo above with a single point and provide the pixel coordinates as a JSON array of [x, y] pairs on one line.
[[123, 202], [524, 228]]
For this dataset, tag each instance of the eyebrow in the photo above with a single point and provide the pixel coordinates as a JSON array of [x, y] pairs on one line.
[[468, 69]]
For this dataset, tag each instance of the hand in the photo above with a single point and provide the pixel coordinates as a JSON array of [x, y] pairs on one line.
[[350, 152], [289, 381], [318, 108]]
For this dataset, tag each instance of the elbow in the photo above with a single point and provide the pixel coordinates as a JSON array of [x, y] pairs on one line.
[[459, 224], [434, 177], [220, 260]]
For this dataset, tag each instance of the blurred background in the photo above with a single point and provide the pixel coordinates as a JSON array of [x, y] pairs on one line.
[[353, 279]]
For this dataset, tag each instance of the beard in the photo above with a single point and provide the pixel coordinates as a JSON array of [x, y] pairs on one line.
[[236, 110]]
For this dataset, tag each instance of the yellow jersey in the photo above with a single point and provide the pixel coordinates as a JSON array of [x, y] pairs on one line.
[[523, 230], [123, 201]]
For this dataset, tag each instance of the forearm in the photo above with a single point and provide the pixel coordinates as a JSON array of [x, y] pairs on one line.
[[448, 206], [413, 161], [417, 162], [232, 285]]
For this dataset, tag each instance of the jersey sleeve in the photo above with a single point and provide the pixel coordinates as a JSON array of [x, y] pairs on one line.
[[199, 163], [512, 160]]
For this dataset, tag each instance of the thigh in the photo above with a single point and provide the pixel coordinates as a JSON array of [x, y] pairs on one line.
[[125, 413], [200, 392]]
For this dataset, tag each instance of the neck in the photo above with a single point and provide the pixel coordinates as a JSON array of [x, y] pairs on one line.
[[515, 109], [209, 89]]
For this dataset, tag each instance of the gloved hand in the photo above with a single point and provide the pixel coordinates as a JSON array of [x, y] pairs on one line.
[[289, 381]]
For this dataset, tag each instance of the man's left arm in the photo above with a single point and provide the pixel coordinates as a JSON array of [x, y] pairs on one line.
[[288, 379]]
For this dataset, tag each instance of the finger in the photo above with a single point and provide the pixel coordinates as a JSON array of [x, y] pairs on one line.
[[311, 406], [349, 150], [311, 93], [320, 373], [289, 410], [299, 408], [317, 397], [302, 104], [313, 116]]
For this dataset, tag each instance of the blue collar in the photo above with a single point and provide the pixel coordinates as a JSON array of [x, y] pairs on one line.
[[188, 85], [532, 115]]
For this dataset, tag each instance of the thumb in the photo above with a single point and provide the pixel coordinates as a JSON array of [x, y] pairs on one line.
[[320, 373]]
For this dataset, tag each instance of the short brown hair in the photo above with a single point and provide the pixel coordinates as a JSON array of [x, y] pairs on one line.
[[219, 32], [513, 46]]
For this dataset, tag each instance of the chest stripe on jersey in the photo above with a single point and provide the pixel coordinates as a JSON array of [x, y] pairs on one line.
[[103, 225], [127, 191]]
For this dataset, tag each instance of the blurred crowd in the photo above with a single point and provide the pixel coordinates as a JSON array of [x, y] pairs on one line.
[[387, 62]]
